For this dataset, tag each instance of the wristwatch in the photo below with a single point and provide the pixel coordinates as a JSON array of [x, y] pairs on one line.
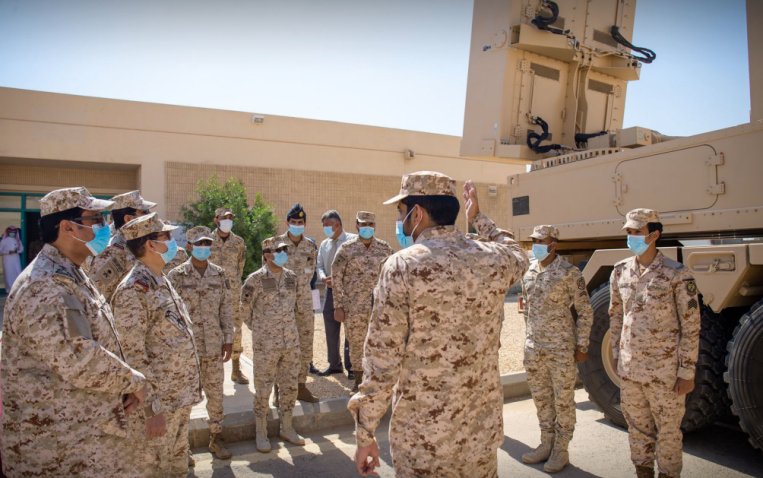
[[154, 407]]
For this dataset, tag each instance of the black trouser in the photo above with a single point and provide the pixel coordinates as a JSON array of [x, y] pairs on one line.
[[332, 335]]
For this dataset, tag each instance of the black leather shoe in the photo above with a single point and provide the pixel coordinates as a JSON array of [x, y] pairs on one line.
[[313, 370], [350, 375], [329, 371]]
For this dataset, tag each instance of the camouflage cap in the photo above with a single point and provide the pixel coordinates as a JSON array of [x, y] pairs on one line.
[[638, 218], [365, 216], [222, 211], [545, 231], [198, 233], [133, 199], [69, 198], [424, 183], [272, 243], [145, 225]]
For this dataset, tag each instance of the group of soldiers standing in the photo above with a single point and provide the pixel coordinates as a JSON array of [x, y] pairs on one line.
[[109, 341]]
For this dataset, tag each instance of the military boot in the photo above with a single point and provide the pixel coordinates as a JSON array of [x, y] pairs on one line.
[[559, 458], [304, 394], [664, 475], [358, 381], [236, 375], [644, 471], [217, 447], [542, 452], [287, 430], [261, 435]]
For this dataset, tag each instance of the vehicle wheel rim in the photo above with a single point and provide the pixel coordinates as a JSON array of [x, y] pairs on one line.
[[607, 360]]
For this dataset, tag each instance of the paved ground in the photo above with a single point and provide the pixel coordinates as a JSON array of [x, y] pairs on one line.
[[598, 450], [510, 355]]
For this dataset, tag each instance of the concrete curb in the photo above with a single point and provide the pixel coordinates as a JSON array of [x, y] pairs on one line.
[[310, 418]]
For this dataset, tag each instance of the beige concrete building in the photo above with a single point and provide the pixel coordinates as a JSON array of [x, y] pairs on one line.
[[48, 141]]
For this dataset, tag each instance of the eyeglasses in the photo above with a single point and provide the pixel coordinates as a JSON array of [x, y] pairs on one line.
[[271, 251], [98, 220]]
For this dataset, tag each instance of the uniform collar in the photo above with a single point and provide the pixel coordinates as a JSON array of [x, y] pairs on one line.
[[65, 265], [437, 231], [657, 263]]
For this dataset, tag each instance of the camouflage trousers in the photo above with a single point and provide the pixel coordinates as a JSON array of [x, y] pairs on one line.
[[654, 413], [356, 328], [212, 377], [306, 330], [419, 463], [74, 451], [237, 321], [275, 367], [169, 453], [551, 378]]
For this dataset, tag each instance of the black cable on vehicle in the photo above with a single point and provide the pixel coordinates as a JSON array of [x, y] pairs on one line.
[[649, 55], [582, 138], [534, 139], [544, 23]]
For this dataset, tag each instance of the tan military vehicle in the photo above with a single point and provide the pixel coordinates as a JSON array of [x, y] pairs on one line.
[[547, 84]]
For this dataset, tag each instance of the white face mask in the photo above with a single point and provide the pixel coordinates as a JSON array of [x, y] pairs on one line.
[[226, 225]]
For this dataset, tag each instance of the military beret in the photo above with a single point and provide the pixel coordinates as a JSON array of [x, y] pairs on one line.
[[542, 232], [638, 218], [69, 198], [145, 225], [223, 211], [296, 212], [424, 183], [365, 216], [198, 233], [272, 243], [133, 199]]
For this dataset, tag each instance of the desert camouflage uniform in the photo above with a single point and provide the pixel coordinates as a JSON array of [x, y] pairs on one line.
[[230, 254], [433, 340], [63, 376], [180, 258], [302, 260], [551, 338], [355, 272], [157, 339], [108, 268], [208, 300], [654, 325], [268, 306]]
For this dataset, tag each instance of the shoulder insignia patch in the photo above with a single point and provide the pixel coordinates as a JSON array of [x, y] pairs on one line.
[[693, 303], [691, 287]]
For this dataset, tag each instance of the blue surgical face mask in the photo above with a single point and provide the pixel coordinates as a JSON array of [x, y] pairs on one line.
[[637, 244], [201, 253], [280, 258], [540, 251], [366, 232], [296, 230], [402, 239], [172, 250], [328, 231], [101, 240]]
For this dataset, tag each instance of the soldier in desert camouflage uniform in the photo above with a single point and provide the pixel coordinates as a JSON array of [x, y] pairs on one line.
[[355, 272], [268, 302], [303, 253], [554, 343], [229, 252], [157, 338], [654, 325], [107, 269], [433, 338], [65, 385], [206, 293]]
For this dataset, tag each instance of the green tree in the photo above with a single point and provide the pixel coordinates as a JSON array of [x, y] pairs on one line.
[[252, 224]]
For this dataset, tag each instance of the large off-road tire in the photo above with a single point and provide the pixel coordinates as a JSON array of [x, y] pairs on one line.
[[707, 402], [597, 373], [744, 373], [703, 406]]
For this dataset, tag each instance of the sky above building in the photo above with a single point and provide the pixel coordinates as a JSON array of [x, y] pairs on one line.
[[393, 63]]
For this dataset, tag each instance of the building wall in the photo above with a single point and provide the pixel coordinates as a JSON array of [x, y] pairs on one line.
[[167, 149]]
